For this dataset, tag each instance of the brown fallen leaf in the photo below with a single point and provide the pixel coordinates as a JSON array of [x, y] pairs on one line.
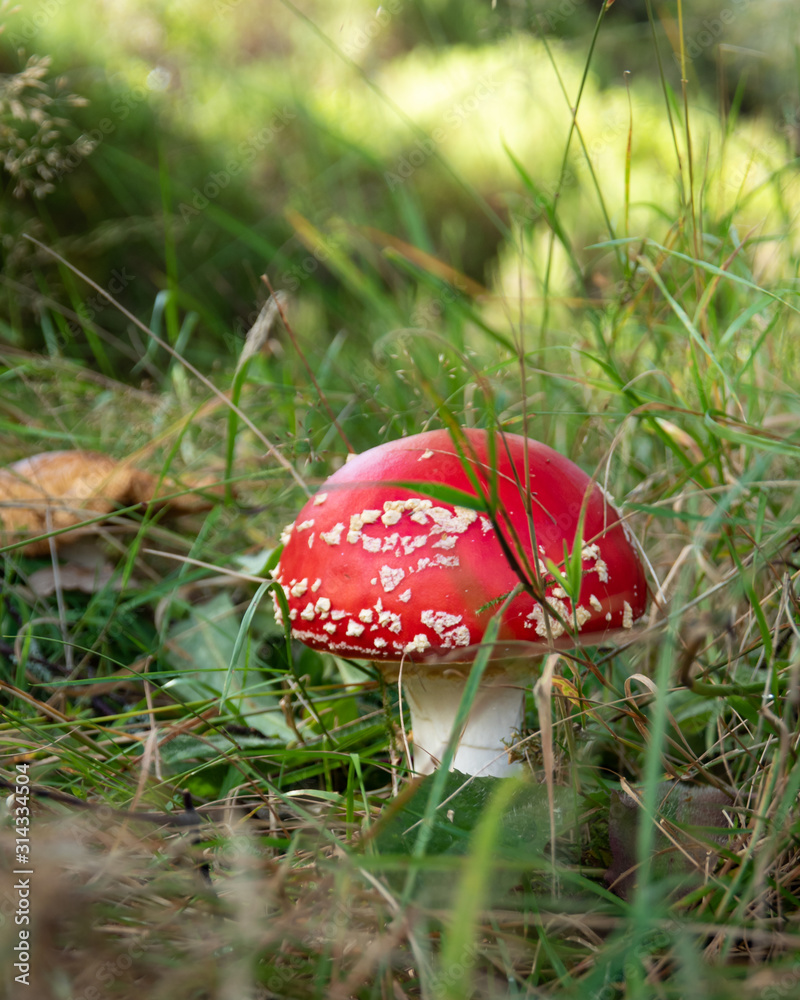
[[687, 837], [57, 489], [72, 576]]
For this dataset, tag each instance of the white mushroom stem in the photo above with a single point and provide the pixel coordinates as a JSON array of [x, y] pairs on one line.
[[495, 715]]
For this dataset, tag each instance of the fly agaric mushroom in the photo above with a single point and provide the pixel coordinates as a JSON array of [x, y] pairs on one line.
[[374, 569]]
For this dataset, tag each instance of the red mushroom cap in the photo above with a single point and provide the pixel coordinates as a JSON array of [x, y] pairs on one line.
[[378, 571]]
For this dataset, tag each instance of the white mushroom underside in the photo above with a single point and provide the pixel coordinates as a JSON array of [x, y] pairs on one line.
[[496, 714]]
